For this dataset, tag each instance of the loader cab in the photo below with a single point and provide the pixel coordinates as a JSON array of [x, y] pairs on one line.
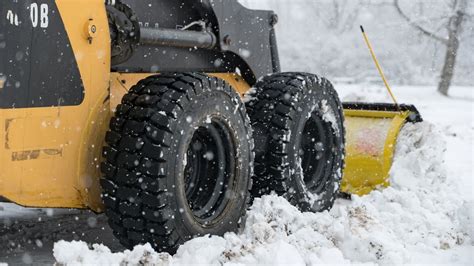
[[53, 91]]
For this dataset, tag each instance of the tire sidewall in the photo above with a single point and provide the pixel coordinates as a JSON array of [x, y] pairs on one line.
[[281, 131], [316, 97], [198, 108]]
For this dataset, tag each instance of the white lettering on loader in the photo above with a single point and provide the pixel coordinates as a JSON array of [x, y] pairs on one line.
[[39, 15], [13, 18]]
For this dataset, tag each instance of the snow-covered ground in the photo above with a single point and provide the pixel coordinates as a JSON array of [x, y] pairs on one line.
[[424, 217]]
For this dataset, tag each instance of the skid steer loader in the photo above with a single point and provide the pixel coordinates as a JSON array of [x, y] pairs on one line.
[[144, 110]]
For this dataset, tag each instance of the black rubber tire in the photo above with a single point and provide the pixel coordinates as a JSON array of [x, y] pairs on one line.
[[297, 117], [152, 149]]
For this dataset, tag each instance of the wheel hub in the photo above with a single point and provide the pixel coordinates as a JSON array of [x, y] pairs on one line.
[[209, 167]]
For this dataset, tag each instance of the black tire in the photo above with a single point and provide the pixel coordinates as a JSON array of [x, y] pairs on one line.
[[297, 120], [178, 162]]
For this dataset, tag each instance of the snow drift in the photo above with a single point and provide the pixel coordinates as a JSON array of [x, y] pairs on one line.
[[420, 215]]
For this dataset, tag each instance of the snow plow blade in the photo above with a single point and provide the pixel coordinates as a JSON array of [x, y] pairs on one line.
[[371, 135]]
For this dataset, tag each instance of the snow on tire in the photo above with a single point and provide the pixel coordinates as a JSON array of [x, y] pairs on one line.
[[178, 161], [297, 120]]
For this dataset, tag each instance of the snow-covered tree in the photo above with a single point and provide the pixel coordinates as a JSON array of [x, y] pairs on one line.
[[451, 24]]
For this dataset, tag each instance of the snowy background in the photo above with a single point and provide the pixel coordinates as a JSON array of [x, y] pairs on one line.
[[426, 216], [323, 36]]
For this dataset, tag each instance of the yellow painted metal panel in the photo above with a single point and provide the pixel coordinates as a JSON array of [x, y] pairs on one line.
[[370, 143], [49, 157], [120, 83]]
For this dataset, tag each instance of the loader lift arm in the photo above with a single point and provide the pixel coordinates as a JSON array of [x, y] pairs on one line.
[[219, 46]]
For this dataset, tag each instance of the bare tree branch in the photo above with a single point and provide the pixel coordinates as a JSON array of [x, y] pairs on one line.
[[418, 26]]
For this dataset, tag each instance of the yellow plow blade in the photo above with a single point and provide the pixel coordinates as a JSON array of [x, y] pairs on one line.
[[371, 137]]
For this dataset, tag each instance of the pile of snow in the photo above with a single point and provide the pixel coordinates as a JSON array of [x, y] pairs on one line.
[[418, 219], [77, 252]]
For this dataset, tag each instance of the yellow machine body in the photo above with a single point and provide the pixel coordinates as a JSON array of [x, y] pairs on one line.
[[50, 156]]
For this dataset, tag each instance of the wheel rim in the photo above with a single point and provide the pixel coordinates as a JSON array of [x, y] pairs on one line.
[[317, 152], [209, 171]]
